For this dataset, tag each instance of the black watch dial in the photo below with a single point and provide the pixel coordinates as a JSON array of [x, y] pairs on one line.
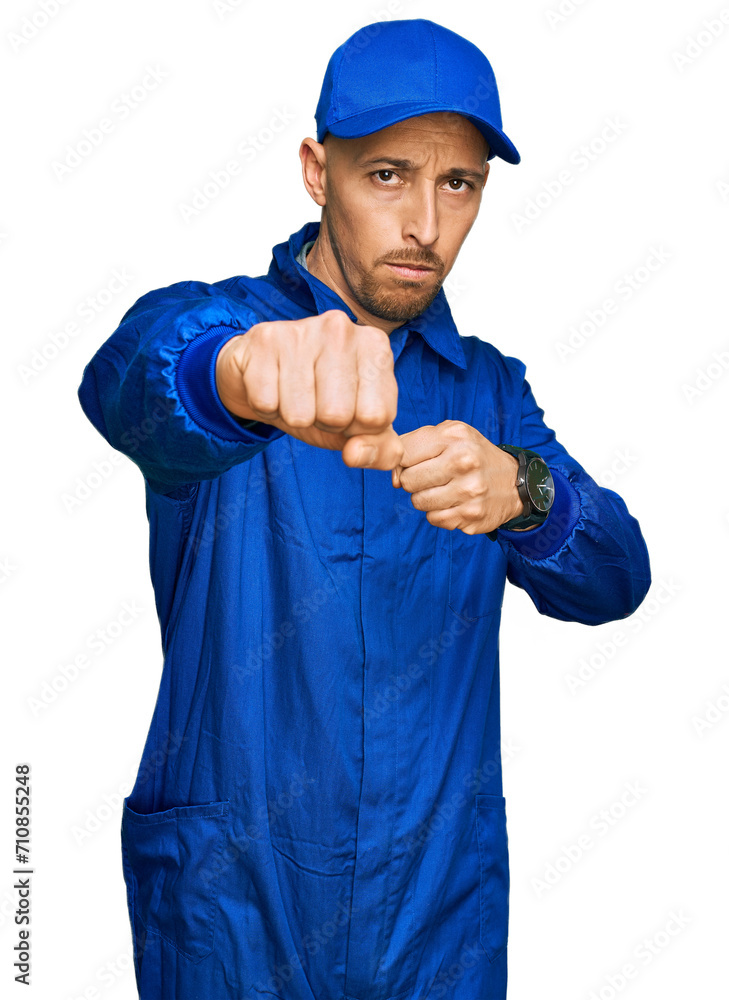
[[539, 484]]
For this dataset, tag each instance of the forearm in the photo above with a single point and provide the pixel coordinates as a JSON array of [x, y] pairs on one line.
[[150, 388], [588, 562]]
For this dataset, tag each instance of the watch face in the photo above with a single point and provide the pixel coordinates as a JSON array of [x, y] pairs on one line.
[[539, 484]]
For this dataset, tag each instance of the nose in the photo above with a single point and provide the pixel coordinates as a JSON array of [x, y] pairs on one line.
[[420, 220]]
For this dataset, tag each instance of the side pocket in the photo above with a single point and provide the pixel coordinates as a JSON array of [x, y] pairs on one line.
[[493, 852], [170, 861]]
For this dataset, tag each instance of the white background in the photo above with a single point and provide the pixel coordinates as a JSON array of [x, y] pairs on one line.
[[619, 403]]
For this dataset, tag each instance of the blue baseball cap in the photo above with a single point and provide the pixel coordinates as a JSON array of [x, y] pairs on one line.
[[392, 70]]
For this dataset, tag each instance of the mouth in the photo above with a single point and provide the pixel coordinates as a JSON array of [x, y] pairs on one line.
[[415, 272]]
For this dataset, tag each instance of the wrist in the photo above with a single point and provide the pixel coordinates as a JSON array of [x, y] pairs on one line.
[[534, 487], [517, 506], [229, 382]]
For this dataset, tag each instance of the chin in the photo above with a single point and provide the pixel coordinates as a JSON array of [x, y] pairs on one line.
[[410, 306], [398, 306]]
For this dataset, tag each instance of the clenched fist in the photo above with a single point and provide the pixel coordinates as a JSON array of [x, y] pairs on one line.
[[322, 379]]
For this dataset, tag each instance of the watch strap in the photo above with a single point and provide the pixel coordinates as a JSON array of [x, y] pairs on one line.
[[532, 516]]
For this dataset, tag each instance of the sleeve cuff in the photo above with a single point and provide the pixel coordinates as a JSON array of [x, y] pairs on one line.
[[196, 385], [538, 543]]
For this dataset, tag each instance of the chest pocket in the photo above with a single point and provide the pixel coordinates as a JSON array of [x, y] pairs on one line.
[[476, 575]]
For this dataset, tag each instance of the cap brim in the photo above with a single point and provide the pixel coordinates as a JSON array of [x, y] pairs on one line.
[[377, 119]]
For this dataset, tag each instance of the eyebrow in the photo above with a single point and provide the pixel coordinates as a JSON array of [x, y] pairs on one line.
[[409, 165]]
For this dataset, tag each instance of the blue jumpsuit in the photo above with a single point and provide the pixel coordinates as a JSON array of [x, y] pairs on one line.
[[318, 812]]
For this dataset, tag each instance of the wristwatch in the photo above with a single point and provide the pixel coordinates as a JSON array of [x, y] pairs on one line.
[[536, 489]]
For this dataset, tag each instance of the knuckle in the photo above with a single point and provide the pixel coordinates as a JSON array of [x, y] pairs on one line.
[[334, 415], [372, 415], [465, 462], [265, 331], [336, 318], [297, 415], [263, 405], [384, 359], [455, 429]]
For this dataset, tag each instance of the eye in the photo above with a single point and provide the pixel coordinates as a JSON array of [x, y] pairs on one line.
[[384, 180], [460, 181]]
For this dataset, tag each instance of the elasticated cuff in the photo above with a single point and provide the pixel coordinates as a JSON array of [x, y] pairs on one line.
[[538, 543], [197, 387]]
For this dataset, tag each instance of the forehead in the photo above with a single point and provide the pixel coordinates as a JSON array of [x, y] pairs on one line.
[[443, 133]]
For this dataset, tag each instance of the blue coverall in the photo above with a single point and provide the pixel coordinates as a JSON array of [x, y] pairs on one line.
[[319, 812]]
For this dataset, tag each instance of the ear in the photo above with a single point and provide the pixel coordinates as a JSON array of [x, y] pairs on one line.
[[313, 168]]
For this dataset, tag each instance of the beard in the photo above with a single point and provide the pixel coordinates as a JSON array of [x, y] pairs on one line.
[[395, 306], [411, 297]]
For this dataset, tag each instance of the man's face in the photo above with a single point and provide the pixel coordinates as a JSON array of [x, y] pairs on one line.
[[406, 195]]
